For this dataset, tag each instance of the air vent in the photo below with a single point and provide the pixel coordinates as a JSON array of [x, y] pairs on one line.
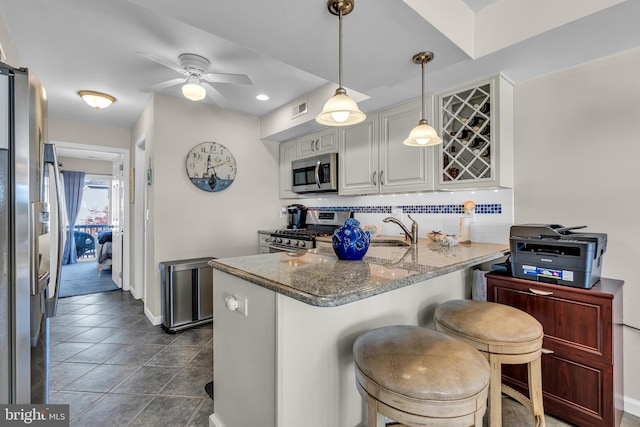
[[299, 110]]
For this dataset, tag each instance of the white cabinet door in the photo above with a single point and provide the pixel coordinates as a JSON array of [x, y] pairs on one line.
[[358, 158], [403, 168], [288, 152], [316, 143]]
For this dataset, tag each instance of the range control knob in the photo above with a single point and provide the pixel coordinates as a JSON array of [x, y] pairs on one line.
[[287, 241]]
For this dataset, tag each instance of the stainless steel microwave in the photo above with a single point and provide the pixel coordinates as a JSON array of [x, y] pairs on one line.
[[317, 174]]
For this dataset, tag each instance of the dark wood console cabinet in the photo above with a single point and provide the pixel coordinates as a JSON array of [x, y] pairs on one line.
[[582, 378]]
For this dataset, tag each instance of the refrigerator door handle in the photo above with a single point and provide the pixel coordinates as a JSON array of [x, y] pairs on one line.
[[51, 302]]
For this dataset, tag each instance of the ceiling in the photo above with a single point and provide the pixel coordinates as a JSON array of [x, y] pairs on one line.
[[290, 49]]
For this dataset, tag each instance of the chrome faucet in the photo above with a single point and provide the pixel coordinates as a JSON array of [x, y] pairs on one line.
[[411, 235]]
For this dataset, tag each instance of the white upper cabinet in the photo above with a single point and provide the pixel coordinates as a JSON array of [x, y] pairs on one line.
[[404, 168], [288, 153], [476, 124], [373, 159], [325, 141], [358, 158]]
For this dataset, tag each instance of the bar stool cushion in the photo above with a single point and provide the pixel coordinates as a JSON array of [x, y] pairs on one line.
[[499, 326], [421, 363]]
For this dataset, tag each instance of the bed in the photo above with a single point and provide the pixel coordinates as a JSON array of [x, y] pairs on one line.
[[104, 251]]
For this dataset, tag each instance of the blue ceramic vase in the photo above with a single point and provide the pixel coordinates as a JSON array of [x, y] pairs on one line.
[[350, 242]]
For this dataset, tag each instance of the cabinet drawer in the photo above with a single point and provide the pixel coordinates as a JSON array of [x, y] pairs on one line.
[[573, 323], [568, 389]]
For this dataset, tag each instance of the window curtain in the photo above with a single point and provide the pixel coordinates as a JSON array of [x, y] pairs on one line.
[[73, 187]]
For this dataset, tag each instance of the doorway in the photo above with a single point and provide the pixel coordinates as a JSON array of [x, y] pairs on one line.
[[114, 162]]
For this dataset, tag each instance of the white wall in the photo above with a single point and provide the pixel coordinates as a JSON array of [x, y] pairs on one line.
[[187, 222], [88, 134], [576, 149], [99, 167]]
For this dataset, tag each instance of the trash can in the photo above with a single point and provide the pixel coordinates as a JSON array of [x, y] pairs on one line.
[[187, 293]]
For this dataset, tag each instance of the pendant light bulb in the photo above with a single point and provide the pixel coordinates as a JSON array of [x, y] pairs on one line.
[[340, 109], [422, 135]]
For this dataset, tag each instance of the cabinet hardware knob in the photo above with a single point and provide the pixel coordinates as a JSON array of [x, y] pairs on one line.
[[546, 351], [537, 292]]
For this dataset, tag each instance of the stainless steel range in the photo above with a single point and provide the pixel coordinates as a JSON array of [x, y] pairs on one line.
[[319, 223]]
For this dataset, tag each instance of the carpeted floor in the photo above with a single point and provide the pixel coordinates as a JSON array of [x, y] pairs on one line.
[[82, 278]]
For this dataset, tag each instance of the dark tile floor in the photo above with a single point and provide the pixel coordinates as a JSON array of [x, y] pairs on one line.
[[116, 369]]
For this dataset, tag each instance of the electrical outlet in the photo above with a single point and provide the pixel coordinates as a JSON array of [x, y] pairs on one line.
[[243, 304], [283, 212]]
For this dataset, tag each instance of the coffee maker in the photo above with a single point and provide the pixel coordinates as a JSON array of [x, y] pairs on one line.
[[297, 216]]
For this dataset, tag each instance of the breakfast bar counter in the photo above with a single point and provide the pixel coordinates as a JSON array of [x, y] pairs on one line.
[[317, 277], [285, 323]]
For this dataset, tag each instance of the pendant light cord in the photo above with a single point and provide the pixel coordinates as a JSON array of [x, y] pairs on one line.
[[340, 46], [424, 106]]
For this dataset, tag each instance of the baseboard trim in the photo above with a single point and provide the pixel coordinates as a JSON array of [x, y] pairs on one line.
[[632, 406], [155, 320], [214, 421]]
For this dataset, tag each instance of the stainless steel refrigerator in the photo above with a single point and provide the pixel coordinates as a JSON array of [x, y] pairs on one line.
[[31, 238]]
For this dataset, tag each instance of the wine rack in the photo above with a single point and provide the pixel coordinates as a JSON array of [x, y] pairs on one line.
[[466, 129], [477, 135]]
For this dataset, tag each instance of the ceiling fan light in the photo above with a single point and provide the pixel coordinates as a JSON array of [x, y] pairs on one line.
[[422, 135], [340, 110], [194, 91], [97, 100]]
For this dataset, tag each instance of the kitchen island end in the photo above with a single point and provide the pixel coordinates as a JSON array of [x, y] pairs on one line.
[[289, 361]]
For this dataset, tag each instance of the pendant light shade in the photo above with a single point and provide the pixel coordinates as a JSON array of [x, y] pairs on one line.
[[423, 135], [193, 90], [340, 109], [97, 100]]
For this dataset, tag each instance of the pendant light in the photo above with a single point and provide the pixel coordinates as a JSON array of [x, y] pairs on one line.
[[193, 90], [97, 100], [423, 135], [340, 110]]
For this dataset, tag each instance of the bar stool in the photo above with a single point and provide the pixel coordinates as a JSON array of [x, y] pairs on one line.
[[417, 376], [505, 335]]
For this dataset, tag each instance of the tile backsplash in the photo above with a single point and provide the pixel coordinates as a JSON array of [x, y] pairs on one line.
[[439, 211]]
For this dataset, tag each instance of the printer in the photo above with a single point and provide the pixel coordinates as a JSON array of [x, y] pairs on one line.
[[555, 254]]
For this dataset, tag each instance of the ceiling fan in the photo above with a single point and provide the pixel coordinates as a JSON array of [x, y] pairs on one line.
[[195, 77]]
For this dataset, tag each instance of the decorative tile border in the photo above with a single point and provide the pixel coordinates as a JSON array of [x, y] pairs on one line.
[[492, 208]]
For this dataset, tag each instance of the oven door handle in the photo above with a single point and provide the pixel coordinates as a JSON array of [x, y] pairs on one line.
[[285, 248]]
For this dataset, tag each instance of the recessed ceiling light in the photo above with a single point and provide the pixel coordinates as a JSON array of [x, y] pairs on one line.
[[262, 97]]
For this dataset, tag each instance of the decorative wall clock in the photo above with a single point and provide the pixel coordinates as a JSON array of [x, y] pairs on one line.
[[211, 166]]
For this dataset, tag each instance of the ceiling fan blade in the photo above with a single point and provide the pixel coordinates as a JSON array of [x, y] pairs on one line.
[[163, 85], [215, 95], [168, 64], [238, 79]]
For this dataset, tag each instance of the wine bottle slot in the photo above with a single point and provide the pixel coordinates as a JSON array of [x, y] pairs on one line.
[[484, 108]]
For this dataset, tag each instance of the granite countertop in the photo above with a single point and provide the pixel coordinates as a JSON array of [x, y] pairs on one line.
[[317, 277]]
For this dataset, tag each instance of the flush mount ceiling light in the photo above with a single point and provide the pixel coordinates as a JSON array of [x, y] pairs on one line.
[[340, 110], [423, 135], [193, 90], [97, 100]]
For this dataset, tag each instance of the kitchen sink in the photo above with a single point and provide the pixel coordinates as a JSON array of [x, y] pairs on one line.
[[388, 242]]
